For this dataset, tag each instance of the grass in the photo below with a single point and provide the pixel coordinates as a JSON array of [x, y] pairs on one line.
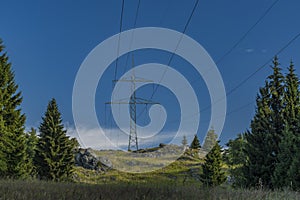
[[10, 189], [179, 172], [176, 181]]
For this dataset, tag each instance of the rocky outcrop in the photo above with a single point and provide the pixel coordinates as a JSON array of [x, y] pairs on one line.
[[87, 159]]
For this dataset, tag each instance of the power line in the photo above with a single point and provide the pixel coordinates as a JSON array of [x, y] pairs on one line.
[[172, 56], [248, 77], [233, 111], [229, 51], [226, 53], [249, 30], [260, 68], [132, 36], [120, 30]]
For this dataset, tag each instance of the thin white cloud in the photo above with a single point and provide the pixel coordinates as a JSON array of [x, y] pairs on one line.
[[264, 50], [249, 50]]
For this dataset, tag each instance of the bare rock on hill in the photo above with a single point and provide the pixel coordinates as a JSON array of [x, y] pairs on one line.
[[88, 160]]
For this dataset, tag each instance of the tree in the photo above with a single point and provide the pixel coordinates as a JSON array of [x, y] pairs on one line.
[[267, 129], [285, 173], [54, 156], [235, 158], [212, 169], [4, 146], [12, 121], [31, 143], [195, 143], [184, 141], [210, 140]]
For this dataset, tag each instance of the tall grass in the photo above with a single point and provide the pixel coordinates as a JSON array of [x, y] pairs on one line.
[[10, 189]]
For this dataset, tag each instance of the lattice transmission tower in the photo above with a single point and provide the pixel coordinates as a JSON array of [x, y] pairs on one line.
[[133, 102]]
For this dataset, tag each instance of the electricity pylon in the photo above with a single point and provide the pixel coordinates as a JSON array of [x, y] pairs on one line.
[[133, 102]]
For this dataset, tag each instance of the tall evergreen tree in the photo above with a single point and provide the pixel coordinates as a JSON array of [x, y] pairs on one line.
[[277, 105], [12, 120], [267, 129], [210, 140], [292, 98], [212, 168], [54, 156], [195, 143], [284, 174]]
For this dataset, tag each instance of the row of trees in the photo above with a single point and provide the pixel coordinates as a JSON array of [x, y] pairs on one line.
[[49, 155], [268, 155]]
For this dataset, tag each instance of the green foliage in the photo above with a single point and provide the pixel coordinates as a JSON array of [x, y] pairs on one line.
[[267, 129], [210, 140], [286, 173], [31, 143], [195, 143], [235, 158], [212, 169], [4, 146], [272, 151], [13, 141], [54, 156]]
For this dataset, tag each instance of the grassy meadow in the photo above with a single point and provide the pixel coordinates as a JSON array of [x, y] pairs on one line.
[[10, 189], [179, 180]]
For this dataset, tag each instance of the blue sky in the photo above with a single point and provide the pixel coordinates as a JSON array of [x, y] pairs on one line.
[[48, 40]]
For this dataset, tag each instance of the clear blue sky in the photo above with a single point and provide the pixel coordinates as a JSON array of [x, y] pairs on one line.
[[48, 40]]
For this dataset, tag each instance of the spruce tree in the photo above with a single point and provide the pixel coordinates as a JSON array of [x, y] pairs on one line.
[[210, 140], [257, 148], [12, 120], [292, 98], [195, 143], [31, 143], [267, 129], [54, 157], [289, 144], [212, 168], [293, 173], [184, 141], [235, 159], [277, 90], [4, 146]]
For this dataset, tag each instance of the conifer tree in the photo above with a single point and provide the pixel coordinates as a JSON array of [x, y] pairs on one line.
[[267, 129], [54, 157], [277, 105], [235, 158], [212, 168], [12, 120], [3, 147], [210, 140], [184, 141], [31, 143], [292, 98], [285, 173], [195, 143]]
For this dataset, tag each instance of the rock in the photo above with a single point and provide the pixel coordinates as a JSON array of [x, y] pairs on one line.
[[106, 162], [88, 160]]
